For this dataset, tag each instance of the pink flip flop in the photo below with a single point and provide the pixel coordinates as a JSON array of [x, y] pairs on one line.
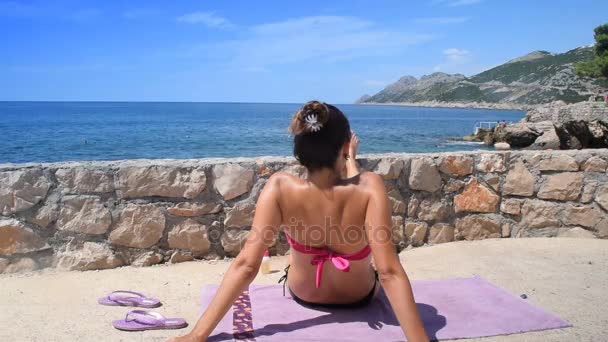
[[129, 298], [140, 320]]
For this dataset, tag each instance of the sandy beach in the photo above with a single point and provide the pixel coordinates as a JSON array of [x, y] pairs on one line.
[[564, 276]]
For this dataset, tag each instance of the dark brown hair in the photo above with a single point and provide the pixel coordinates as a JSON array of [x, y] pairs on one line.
[[320, 130]]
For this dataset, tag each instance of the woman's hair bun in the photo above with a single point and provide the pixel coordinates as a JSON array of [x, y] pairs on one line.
[[310, 118]]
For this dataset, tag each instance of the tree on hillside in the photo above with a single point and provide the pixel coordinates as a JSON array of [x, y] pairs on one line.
[[597, 67]]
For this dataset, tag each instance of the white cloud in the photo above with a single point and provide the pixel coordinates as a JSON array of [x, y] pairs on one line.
[[318, 38], [454, 58], [456, 55], [209, 19], [456, 3], [442, 20]]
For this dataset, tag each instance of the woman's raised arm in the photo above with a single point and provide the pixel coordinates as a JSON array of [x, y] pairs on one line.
[[245, 267], [394, 280]]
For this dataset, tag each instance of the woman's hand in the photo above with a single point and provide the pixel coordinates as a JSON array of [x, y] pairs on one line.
[[185, 338], [352, 168], [353, 146]]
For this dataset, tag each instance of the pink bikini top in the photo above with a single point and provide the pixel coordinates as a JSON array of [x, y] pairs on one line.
[[321, 255]]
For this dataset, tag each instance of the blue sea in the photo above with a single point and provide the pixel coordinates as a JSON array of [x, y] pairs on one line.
[[62, 131]]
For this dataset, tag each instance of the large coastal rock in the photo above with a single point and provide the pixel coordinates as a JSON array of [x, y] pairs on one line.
[[424, 175], [21, 190], [139, 226], [477, 227], [517, 135], [232, 180], [579, 125], [16, 238], [189, 235], [161, 181], [91, 256], [476, 198], [82, 180], [84, 214]]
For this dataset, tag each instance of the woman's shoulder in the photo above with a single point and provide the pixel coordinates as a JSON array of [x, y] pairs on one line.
[[284, 179], [370, 179]]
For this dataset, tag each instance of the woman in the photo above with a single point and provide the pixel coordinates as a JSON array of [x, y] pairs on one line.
[[350, 217]]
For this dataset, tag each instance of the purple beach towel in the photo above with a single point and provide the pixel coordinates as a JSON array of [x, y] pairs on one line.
[[450, 309]]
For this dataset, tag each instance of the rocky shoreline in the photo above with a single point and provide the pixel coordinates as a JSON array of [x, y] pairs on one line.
[[463, 105], [552, 126]]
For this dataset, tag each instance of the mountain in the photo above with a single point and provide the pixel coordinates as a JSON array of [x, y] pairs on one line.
[[536, 78], [363, 99]]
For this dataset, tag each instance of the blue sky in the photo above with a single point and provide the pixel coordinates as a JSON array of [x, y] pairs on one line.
[[267, 51]]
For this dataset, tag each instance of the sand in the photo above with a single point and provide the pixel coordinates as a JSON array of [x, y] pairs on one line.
[[565, 276]]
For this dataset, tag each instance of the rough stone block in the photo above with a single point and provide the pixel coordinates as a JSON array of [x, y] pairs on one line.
[[21, 190], [232, 180], [519, 181], [478, 227], [139, 226], [161, 181], [84, 214], [476, 198], [80, 180], [16, 238], [456, 165], [189, 235], [424, 175], [564, 186]]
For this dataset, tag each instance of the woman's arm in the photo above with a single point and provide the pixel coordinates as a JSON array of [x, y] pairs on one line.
[[392, 275], [245, 266]]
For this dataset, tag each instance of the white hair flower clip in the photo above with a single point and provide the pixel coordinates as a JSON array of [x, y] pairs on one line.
[[312, 122]]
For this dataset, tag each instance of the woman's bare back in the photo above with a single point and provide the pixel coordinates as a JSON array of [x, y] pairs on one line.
[[331, 218]]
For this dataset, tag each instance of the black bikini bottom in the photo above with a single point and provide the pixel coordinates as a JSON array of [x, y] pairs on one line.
[[360, 303]]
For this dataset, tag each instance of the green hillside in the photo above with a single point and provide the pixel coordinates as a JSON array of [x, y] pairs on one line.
[[538, 77]]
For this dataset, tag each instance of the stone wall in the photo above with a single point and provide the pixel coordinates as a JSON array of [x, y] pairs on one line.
[[96, 215]]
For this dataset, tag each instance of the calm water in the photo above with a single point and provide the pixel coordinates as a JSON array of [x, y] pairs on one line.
[[59, 131]]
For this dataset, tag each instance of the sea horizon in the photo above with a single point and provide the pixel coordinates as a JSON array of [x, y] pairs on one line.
[[56, 131]]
